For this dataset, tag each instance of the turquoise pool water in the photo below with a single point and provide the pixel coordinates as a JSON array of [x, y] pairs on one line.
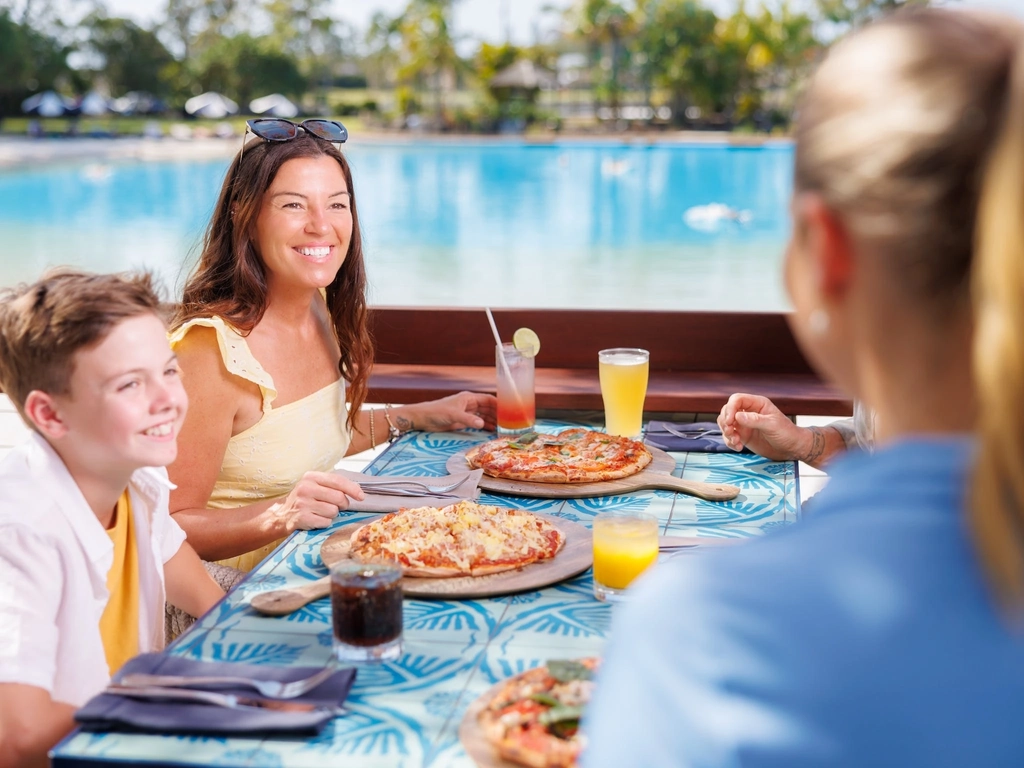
[[568, 225]]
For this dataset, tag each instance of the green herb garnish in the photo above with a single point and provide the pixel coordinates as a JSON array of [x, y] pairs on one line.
[[565, 729], [567, 670], [560, 714], [545, 698]]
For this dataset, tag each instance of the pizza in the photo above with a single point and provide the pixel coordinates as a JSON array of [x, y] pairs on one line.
[[572, 456], [462, 539], [534, 719]]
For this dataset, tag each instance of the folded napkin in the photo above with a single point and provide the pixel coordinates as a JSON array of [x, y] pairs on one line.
[[700, 436], [108, 711], [382, 502]]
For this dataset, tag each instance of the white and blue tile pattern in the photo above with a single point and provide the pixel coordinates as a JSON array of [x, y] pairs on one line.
[[407, 713]]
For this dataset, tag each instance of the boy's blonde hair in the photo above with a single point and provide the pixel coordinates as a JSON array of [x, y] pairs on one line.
[[44, 324], [912, 131]]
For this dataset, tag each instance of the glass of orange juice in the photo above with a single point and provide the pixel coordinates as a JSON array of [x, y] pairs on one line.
[[625, 544], [623, 372]]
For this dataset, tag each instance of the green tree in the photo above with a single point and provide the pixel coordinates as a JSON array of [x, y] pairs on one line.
[[428, 48], [605, 26], [192, 26], [131, 58], [490, 59], [383, 42], [244, 67], [678, 42], [30, 61], [306, 31], [852, 13]]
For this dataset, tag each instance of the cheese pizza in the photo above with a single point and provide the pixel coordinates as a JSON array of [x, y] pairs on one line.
[[572, 456], [462, 539]]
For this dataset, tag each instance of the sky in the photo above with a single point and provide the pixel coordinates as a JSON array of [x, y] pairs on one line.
[[484, 19]]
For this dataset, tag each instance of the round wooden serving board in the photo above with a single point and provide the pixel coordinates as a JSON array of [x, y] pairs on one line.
[[576, 556], [655, 476]]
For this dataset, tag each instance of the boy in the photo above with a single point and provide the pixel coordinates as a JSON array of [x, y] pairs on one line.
[[86, 540]]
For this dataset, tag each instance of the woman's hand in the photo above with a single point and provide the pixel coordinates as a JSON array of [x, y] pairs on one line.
[[756, 423], [466, 409], [315, 501]]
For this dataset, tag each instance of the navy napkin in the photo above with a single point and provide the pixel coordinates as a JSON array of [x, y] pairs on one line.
[[700, 436], [108, 711]]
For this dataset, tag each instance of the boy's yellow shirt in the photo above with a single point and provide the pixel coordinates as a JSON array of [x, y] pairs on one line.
[[119, 625]]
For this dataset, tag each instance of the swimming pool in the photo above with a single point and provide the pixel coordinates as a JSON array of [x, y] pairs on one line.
[[444, 224]]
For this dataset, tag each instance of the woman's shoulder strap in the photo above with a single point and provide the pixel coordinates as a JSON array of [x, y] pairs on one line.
[[234, 351]]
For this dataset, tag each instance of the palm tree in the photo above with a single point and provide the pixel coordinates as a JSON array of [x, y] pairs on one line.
[[603, 24], [429, 47]]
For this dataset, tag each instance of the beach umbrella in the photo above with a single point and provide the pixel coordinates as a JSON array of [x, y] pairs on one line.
[[274, 105], [211, 104], [47, 104], [137, 103], [523, 75], [93, 104]]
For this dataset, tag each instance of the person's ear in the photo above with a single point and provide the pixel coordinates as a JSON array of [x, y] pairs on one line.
[[42, 411], [827, 245]]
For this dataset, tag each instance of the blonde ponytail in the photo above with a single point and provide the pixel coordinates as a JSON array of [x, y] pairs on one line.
[[997, 503]]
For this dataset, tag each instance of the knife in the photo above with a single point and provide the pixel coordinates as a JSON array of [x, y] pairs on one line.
[[685, 542], [228, 700]]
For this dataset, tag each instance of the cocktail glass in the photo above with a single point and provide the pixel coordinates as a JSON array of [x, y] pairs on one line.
[[625, 545], [623, 373], [366, 605], [516, 405]]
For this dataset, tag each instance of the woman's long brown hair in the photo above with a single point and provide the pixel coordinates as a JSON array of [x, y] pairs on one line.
[[230, 281]]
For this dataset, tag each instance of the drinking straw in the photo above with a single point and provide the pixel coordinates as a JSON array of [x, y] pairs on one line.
[[504, 362]]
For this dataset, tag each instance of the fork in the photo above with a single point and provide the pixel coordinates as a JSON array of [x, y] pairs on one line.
[[272, 689], [691, 435], [408, 485]]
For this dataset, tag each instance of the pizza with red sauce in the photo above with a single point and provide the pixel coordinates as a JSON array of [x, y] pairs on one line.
[[462, 539], [534, 719], [572, 456]]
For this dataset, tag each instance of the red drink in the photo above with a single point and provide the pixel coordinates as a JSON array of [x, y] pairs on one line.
[[516, 410]]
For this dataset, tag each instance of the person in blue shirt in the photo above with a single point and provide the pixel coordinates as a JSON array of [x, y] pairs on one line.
[[884, 630]]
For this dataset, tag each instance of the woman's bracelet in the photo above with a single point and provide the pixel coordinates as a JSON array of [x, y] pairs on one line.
[[373, 437], [393, 432]]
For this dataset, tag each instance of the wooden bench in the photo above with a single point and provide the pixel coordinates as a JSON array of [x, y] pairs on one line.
[[698, 359]]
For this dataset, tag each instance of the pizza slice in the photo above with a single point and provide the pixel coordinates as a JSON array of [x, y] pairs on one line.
[[533, 720]]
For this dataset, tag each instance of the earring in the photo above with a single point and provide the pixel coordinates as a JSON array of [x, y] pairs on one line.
[[818, 322]]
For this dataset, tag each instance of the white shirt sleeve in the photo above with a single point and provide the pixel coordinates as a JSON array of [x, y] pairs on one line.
[[167, 533], [31, 575]]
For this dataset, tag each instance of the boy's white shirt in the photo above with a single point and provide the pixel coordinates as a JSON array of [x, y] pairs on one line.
[[54, 561]]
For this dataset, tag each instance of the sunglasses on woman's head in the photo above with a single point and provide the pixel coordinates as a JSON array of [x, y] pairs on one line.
[[279, 129]]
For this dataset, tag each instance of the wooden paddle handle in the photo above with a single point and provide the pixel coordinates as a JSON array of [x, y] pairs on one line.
[[706, 491], [281, 602]]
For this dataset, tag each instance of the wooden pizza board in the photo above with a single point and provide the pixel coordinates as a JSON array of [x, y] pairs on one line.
[[575, 557], [655, 476]]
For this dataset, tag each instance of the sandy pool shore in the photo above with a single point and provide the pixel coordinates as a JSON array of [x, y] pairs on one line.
[[17, 151]]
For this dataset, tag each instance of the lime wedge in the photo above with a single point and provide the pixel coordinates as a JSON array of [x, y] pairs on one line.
[[526, 342]]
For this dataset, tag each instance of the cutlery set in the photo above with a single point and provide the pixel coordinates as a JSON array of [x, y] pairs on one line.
[[276, 695], [393, 487]]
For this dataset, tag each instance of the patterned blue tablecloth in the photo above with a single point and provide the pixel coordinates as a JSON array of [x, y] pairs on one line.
[[407, 713]]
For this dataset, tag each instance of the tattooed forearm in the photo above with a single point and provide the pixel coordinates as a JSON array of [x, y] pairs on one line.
[[404, 424], [817, 446]]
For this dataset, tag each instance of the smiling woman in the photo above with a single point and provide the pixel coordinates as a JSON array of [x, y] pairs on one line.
[[272, 339]]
